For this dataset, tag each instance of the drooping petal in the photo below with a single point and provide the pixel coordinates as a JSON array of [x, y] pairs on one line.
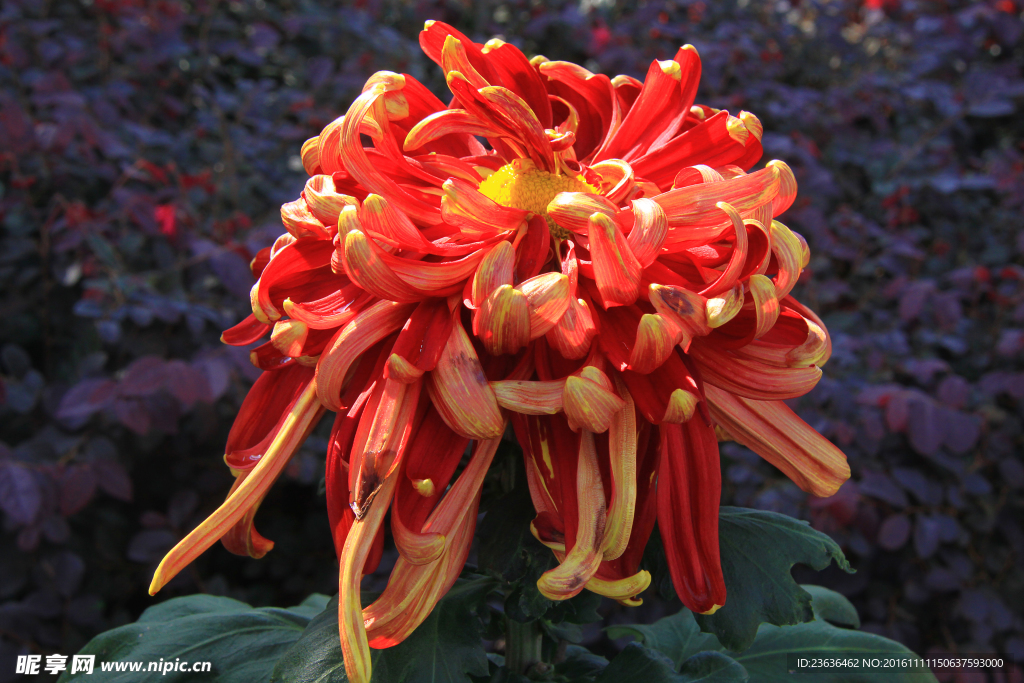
[[788, 251], [421, 341], [458, 389], [695, 207], [689, 488], [414, 589], [766, 304], [773, 431], [324, 200], [584, 557], [365, 330], [724, 307], [622, 468], [548, 299], [751, 378], [475, 214], [378, 453], [289, 336], [573, 333], [249, 492], [649, 230], [589, 401], [245, 332], [530, 398], [365, 265], [503, 321], [495, 270], [682, 307], [355, 648], [331, 311]]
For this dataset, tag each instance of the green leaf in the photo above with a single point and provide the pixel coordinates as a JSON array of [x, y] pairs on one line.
[[676, 636], [580, 664], [831, 606], [240, 642], [639, 664], [713, 667], [445, 648], [766, 660], [758, 551]]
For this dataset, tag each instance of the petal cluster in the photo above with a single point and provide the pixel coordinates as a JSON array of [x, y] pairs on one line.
[[589, 259]]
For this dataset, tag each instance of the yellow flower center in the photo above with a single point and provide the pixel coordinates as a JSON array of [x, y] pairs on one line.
[[522, 185]]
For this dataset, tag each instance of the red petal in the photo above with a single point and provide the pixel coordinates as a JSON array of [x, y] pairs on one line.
[[246, 332], [616, 269], [689, 488]]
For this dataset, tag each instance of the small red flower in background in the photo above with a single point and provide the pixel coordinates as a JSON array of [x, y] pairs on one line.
[[606, 275], [166, 219]]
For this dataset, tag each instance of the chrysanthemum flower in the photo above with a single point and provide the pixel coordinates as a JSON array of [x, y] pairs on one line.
[[603, 272]]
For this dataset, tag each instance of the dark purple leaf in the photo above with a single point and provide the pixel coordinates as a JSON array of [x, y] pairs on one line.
[[924, 370], [926, 536], [977, 485], [28, 539], [77, 487], [894, 532], [85, 398], [1012, 472], [949, 528], [962, 431], [926, 427], [922, 488], [974, 604], [947, 309], [44, 603], [913, 299], [181, 506], [186, 383], [954, 391], [880, 486], [67, 570], [1011, 342], [150, 545], [112, 478], [1010, 383], [233, 272], [20, 496], [942, 580], [218, 377], [55, 529], [143, 377], [897, 411], [132, 414]]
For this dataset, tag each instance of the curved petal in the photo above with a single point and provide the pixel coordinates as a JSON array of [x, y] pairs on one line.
[[458, 389], [773, 431]]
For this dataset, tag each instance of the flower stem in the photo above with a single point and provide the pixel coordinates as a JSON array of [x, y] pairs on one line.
[[522, 645]]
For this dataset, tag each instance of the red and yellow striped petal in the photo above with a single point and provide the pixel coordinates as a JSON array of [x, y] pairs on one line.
[[249, 492], [584, 557], [349, 343], [689, 488], [616, 269], [773, 431], [458, 389]]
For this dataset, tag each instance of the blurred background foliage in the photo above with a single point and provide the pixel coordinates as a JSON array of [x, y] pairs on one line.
[[145, 149]]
